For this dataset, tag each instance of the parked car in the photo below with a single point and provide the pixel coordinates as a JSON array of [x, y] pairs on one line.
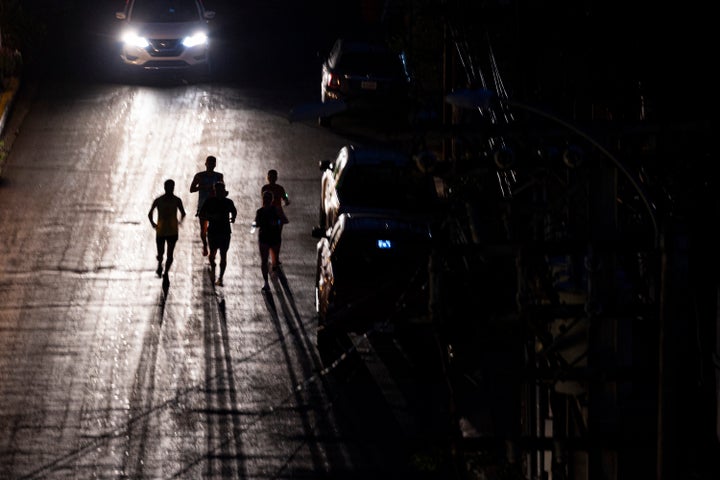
[[165, 34], [374, 180], [371, 269], [365, 76]]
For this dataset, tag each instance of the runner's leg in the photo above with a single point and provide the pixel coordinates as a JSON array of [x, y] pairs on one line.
[[160, 244], [203, 235], [171, 241], [223, 263], [276, 252], [275, 256], [264, 253]]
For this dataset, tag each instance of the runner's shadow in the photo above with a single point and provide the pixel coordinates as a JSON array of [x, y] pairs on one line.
[[279, 277], [270, 301], [163, 299], [221, 391], [286, 297], [287, 307], [165, 286]]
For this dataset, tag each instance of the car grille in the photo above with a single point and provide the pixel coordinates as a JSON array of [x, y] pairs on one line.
[[171, 47], [165, 64], [370, 86]]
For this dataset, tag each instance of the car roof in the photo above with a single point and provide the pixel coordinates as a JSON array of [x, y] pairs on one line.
[[358, 45], [371, 223], [376, 180], [164, 11], [375, 156]]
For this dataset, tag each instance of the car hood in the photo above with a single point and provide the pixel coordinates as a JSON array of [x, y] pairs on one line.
[[167, 30], [397, 214]]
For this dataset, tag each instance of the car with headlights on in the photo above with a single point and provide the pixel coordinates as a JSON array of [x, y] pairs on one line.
[[374, 180], [165, 35], [367, 77], [372, 272]]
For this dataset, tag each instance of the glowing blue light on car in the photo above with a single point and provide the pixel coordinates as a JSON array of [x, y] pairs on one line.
[[197, 39], [384, 244]]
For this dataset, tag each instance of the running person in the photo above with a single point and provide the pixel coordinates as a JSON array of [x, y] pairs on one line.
[[166, 229], [203, 183], [220, 212], [268, 222], [280, 198]]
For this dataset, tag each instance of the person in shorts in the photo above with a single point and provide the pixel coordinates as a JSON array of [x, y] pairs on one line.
[[168, 206], [220, 212], [280, 199], [268, 222], [203, 183]]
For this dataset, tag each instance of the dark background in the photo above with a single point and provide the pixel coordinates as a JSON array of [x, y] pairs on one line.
[[581, 59], [640, 74]]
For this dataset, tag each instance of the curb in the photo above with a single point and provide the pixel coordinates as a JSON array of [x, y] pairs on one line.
[[7, 99]]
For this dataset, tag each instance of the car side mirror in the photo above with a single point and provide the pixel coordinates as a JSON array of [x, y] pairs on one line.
[[318, 232], [325, 165], [120, 15]]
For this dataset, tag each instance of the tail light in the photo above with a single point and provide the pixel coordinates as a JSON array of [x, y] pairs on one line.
[[333, 81]]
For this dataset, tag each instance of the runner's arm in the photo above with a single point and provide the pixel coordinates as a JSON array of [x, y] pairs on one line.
[[286, 197], [195, 184], [150, 214], [182, 209], [233, 212]]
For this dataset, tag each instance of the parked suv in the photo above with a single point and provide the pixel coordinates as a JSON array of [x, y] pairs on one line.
[[367, 76], [371, 269], [165, 34], [374, 180]]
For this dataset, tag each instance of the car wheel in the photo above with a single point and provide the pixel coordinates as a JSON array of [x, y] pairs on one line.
[[318, 305], [331, 343], [207, 73], [325, 122], [337, 354], [327, 347], [322, 215]]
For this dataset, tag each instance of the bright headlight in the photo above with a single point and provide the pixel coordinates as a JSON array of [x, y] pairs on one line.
[[197, 39], [135, 40]]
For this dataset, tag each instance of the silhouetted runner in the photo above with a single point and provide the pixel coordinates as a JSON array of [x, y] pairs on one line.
[[268, 223], [166, 229], [280, 198], [220, 212], [203, 183]]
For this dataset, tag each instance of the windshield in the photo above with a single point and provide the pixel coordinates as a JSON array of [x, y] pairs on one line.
[[377, 63], [165, 11], [386, 187], [378, 257]]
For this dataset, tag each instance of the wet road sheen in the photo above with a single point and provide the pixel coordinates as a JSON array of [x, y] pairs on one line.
[[106, 371]]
